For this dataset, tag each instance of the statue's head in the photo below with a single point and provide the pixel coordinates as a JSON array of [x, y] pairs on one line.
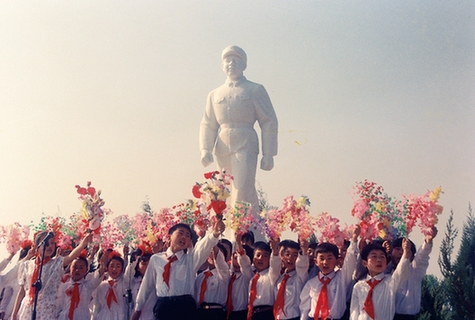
[[234, 62]]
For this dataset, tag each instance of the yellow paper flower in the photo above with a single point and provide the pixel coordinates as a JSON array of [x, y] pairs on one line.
[[380, 206], [434, 195]]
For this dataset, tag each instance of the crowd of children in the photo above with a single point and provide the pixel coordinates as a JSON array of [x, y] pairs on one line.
[[214, 279]]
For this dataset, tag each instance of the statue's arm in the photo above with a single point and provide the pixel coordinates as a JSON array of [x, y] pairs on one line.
[[208, 133], [267, 120]]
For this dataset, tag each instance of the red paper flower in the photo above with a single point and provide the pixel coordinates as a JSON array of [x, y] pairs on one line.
[[218, 206], [196, 191]]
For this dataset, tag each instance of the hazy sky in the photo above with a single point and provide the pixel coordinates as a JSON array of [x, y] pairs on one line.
[[114, 91]]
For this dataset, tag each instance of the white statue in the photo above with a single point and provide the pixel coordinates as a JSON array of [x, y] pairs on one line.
[[228, 127]]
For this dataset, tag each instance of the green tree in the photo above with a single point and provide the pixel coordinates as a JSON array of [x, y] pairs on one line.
[[434, 304], [459, 275]]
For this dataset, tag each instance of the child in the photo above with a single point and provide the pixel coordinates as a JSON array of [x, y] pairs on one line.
[[238, 287], [261, 288], [248, 239], [171, 274], [211, 286], [109, 302], [291, 282], [10, 282], [324, 296], [134, 277], [312, 267], [229, 249], [52, 270], [408, 297], [75, 294], [374, 297]]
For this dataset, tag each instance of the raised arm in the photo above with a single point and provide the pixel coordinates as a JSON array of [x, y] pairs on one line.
[[77, 251]]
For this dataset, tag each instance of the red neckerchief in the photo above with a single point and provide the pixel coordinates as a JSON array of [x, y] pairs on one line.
[[34, 277]]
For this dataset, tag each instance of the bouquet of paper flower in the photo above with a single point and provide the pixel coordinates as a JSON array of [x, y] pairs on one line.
[[390, 218], [126, 226], [273, 222], [329, 228], [91, 208], [110, 235], [159, 225], [192, 213], [213, 192], [57, 226], [239, 218], [14, 235], [424, 208], [300, 220]]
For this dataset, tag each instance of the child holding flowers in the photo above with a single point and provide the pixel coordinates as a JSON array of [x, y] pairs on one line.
[[74, 295], [374, 297], [52, 270], [408, 297], [267, 265], [170, 275], [325, 295], [238, 287], [291, 281]]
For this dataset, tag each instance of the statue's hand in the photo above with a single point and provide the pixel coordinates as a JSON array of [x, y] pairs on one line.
[[267, 162], [206, 157]]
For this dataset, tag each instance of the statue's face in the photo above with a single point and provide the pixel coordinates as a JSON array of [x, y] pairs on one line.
[[233, 66]]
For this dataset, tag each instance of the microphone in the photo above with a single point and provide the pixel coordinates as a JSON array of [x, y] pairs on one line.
[[44, 242]]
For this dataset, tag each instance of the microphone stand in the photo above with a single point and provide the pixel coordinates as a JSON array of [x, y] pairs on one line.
[[128, 293], [38, 283]]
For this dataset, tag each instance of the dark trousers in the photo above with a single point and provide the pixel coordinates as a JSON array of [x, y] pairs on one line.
[[211, 311], [404, 317], [238, 315], [262, 313], [175, 308]]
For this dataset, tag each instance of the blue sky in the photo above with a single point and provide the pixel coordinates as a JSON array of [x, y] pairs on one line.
[[113, 92]]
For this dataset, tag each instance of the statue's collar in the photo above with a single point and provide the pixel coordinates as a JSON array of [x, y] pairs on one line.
[[232, 83]]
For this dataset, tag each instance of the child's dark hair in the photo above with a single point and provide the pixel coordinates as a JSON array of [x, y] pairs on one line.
[[261, 245], [24, 252], [398, 244], [248, 236], [289, 244], [249, 251], [346, 243], [313, 245], [223, 249], [370, 247], [43, 236], [118, 258], [327, 247], [81, 258], [180, 225], [226, 241], [145, 257]]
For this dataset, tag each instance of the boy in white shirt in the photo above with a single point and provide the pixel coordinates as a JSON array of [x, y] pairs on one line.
[[211, 286], [238, 287], [324, 296], [408, 297], [267, 265], [291, 281], [170, 275], [374, 297]]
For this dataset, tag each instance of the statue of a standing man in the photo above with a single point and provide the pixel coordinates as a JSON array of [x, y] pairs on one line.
[[228, 127]]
